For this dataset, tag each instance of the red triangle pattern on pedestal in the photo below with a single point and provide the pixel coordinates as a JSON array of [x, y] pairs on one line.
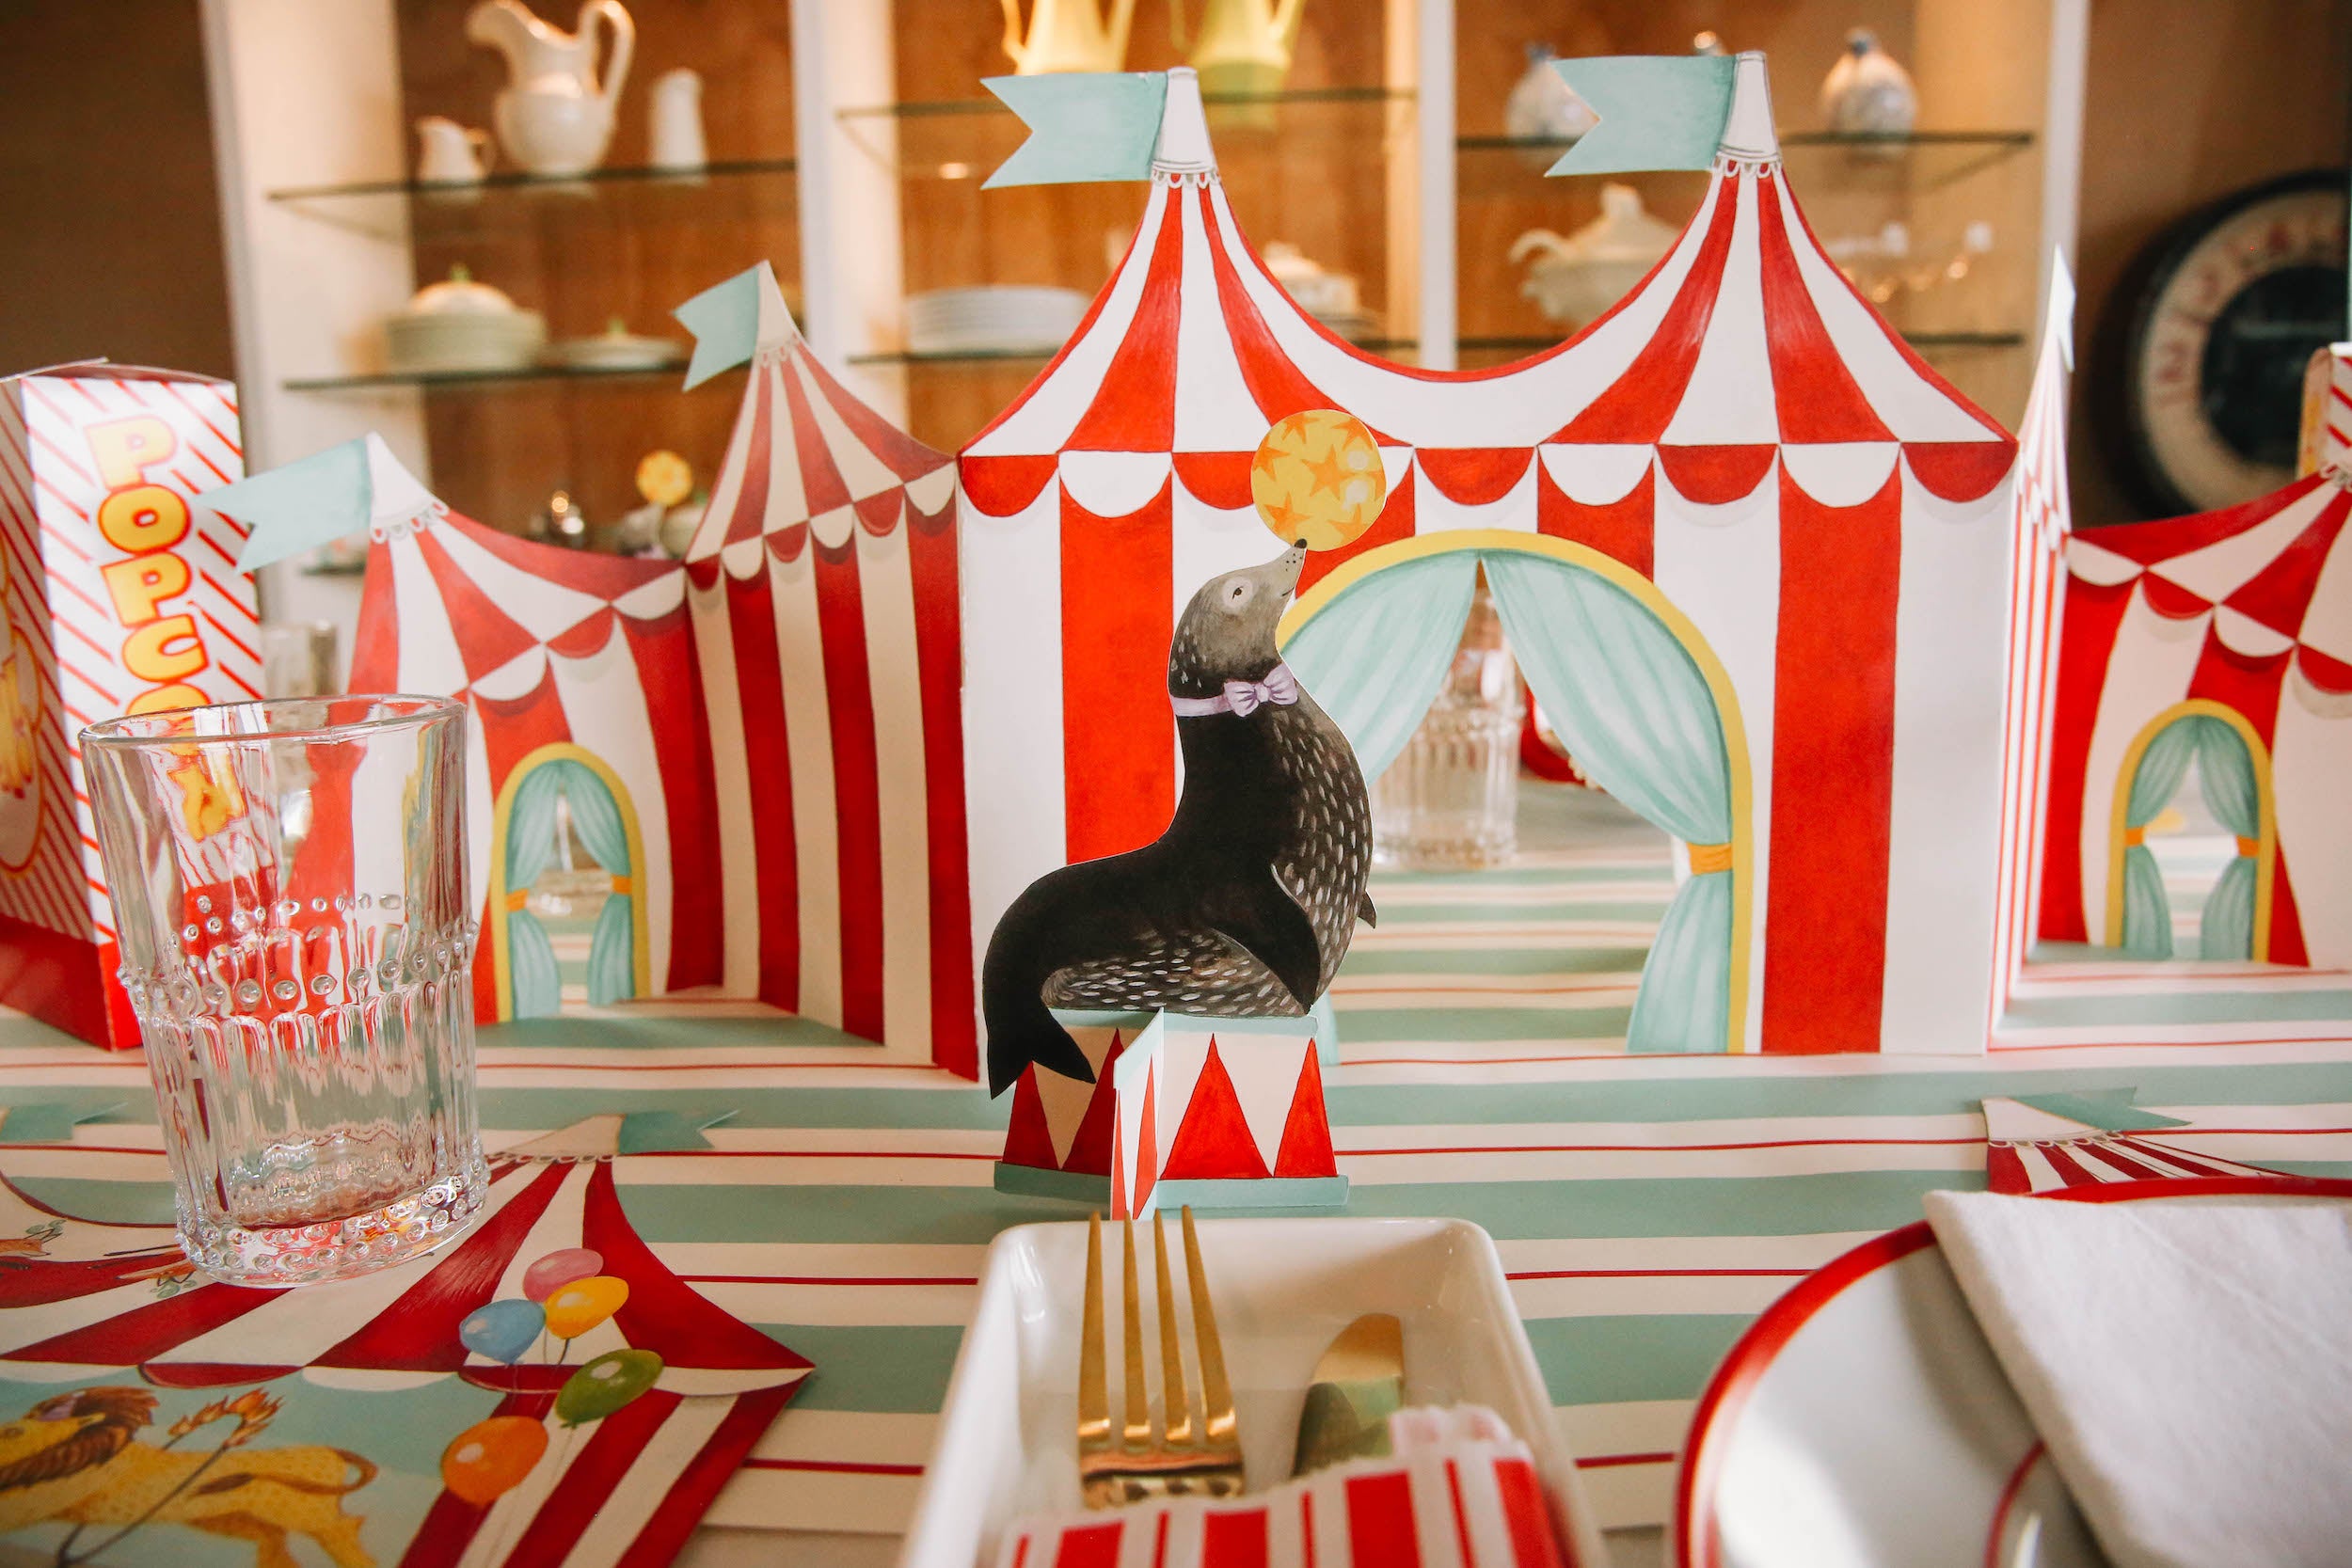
[[1147, 1147], [1118, 1207], [1091, 1148], [1027, 1139], [1212, 1142], [1306, 1147]]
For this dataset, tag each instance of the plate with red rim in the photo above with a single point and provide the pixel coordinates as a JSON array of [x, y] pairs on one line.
[[1863, 1419]]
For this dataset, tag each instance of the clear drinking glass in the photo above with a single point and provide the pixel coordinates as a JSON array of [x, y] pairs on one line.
[[1450, 801], [289, 884]]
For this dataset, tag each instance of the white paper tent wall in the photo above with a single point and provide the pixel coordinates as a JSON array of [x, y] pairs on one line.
[[824, 598], [2244, 616], [2029, 1149], [561, 658], [1742, 434]]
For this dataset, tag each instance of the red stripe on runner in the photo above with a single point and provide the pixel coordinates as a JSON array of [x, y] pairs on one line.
[[1119, 738], [451, 1523], [859, 1280], [1611, 1461], [939, 668], [856, 780], [609, 1450], [1833, 769]]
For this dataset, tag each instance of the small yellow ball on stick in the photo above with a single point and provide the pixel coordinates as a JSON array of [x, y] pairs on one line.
[[1317, 478]]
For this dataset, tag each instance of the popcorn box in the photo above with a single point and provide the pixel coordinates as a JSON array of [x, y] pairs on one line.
[[121, 593]]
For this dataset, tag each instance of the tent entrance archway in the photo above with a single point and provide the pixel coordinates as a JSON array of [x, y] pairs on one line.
[[552, 784], [2232, 769], [1628, 684]]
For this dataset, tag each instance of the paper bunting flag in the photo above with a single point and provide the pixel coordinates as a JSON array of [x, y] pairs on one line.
[[1655, 111], [732, 321], [320, 499], [1083, 127]]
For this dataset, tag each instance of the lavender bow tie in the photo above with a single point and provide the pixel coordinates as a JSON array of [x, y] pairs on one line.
[[1242, 698]]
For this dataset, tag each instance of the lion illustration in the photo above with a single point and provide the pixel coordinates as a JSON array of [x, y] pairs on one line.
[[79, 1459]]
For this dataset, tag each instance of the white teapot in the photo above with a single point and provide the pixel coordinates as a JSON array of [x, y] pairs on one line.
[[555, 115], [1574, 280]]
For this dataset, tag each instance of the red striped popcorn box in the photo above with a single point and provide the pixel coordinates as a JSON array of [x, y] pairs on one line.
[[1459, 1491], [121, 595]]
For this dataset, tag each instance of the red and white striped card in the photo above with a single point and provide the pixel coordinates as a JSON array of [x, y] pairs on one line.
[[1459, 1491]]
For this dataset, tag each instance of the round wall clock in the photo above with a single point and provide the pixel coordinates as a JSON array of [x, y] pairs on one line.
[[2202, 349]]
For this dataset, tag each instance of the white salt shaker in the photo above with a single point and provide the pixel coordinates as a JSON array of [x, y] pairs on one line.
[[676, 134]]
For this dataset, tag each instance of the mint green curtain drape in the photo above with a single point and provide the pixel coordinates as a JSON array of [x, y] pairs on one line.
[[530, 845], [2225, 766], [611, 954], [2147, 909], [1375, 667], [1638, 717]]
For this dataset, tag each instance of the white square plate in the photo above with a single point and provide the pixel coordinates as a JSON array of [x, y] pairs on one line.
[[1283, 1289]]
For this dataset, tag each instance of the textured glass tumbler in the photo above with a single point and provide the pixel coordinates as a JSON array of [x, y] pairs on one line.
[[289, 884]]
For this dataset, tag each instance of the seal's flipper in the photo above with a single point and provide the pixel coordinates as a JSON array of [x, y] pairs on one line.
[[1265, 921], [1365, 912]]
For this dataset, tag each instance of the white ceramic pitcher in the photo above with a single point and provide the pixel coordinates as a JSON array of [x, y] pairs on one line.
[[555, 115], [449, 153], [1067, 34]]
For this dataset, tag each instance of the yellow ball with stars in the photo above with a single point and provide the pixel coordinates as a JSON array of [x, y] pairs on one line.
[[1317, 478]]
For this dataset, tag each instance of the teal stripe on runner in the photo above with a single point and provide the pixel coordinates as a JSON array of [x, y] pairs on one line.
[[901, 1371], [1404, 911], [1406, 883], [1613, 1360], [1361, 1024], [2223, 1006]]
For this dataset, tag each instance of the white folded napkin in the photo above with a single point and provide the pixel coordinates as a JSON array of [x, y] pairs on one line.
[[2189, 1365], [1459, 1491]]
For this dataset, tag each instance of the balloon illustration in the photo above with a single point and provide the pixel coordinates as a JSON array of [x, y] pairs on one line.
[[575, 1308], [560, 1268], [1317, 479], [490, 1458], [605, 1385], [503, 1330]]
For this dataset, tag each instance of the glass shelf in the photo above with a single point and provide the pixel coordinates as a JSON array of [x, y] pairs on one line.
[[965, 139], [378, 381], [394, 208], [1390, 346], [1916, 159], [1922, 341]]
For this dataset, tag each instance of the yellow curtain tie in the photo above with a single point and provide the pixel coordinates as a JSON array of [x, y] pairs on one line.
[[2250, 847], [517, 900], [2135, 837], [1707, 859], [620, 888]]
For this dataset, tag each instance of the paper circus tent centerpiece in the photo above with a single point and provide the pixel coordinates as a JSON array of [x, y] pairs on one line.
[[2221, 640], [1751, 554]]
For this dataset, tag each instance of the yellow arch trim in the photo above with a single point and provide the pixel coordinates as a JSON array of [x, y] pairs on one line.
[[2266, 805], [1489, 540], [640, 939]]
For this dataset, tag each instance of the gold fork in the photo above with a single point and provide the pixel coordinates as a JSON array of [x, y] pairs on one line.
[[1181, 1458]]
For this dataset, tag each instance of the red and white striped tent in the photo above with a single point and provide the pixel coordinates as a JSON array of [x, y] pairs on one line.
[[2245, 614], [2029, 1149], [2041, 521], [824, 590], [1743, 431], [559, 655], [88, 1305]]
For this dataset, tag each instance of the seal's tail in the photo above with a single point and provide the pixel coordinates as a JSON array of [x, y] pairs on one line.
[[1021, 1028]]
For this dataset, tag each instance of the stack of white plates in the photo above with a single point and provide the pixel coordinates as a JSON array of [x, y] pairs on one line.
[[993, 320], [614, 351], [463, 339]]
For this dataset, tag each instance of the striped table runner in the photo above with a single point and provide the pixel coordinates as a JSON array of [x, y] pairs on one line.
[[1646, 1206]]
